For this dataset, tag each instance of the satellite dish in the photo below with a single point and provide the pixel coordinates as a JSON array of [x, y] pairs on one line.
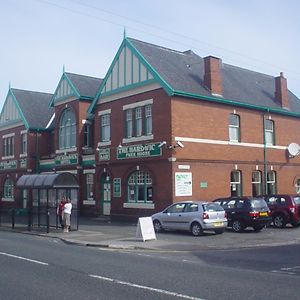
[[293, 149]]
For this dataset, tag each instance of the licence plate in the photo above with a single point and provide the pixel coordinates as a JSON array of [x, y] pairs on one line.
[[217, 224], [263, 214]]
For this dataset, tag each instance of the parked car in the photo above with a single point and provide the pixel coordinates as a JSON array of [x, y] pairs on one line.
[[193, 216], [285, 209], [245, 212]]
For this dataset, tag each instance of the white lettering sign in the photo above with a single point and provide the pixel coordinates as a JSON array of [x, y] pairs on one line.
[[183, 184]]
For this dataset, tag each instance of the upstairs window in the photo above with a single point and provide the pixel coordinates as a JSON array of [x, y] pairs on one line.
[[67, 130], [129, 125], [24, 143], [138, 121], [148, 119], [105, 128], [269, 132], [234, 128], [8, 146], [87, 137]]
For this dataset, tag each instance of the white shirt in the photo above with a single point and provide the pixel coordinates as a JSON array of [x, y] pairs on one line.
[[68, 208]]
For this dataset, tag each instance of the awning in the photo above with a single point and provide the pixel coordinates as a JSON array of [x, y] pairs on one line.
[[47, 181]]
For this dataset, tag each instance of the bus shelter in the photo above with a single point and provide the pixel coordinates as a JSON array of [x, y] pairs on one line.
[[45, 192]]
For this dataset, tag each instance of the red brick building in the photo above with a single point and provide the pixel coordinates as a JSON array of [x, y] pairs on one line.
[[162, 126]]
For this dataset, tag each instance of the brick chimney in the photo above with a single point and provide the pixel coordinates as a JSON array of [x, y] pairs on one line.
[[281, 91], [212, 74]]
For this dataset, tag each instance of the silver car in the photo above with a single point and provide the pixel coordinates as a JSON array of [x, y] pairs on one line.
[[193, 216]]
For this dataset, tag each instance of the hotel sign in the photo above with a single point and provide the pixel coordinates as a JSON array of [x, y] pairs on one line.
[[68, 159], [139, 151], [104, 154], [23, 163], [9, 164]]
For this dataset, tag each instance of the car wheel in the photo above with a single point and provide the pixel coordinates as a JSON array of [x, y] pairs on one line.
[[258, 228], [196, 229], [279, 221], [157, 226], [219, 231], [237, 226]]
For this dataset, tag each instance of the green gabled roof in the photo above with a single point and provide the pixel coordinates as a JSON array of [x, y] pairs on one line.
[[182, 74], [26, 107], [76, 85], [153, 77]]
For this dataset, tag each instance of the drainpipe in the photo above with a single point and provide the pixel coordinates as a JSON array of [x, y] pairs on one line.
[[37, 156], [265, 155]]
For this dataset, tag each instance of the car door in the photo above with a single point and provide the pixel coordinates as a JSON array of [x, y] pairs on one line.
[[229, 207], [171, 218], [190, 213]]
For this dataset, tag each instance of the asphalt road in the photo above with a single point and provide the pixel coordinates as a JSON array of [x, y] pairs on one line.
[[40, 268]]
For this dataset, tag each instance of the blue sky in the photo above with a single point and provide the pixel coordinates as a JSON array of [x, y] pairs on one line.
[[38, 37]]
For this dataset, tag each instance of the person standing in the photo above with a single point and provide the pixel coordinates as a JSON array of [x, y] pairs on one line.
[[60, 211], [67, 215]]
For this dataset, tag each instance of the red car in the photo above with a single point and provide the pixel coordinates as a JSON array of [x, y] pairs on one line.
[[285, 209]]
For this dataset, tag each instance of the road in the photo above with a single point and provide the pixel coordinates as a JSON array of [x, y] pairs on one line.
[[33, 267]]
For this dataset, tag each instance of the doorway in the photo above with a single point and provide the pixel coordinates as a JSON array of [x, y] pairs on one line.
[[106, 194]]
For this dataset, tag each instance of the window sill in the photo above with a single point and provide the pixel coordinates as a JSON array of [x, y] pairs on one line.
[[137, 139], [8, 199], [138, 205], [8, 157], [23, 155], [103, 144], [67, 150]]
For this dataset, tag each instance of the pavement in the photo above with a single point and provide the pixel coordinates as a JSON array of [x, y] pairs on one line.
[[103, 233]]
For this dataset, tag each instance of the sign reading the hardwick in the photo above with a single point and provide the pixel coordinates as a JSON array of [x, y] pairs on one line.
[[138, 151], [68, 159], [10, 164], [183, 184]]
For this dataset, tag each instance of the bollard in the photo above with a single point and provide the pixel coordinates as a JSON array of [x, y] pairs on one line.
[[29, 220], [13, 218], [48, 221]]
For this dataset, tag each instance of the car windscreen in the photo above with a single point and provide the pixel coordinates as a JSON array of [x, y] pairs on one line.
[[212, 207], [258, 203], [297, 200]]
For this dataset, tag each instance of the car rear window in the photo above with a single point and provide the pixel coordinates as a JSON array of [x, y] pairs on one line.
[[258, 203], [212, 207], [297, 200]]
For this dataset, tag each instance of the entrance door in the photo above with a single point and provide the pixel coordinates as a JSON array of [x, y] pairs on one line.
[[106, 194]]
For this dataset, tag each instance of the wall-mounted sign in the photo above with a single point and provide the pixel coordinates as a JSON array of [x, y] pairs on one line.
[[203, 185], [184, 167], [68, 159], [104, 154], [183, 184], [138, 151], [23, 163], [9, 164], [117, 187]]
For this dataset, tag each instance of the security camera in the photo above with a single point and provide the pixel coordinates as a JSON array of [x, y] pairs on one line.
[[179, 144], [162, 144]]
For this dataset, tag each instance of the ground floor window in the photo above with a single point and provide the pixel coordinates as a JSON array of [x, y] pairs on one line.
[[89, 186], [236, 183], [271, 183], [139, 187], [256, 183], [297, 185], [8, 191]]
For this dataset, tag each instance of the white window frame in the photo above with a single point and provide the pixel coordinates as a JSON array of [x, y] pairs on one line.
[[269, 133], [105, 128], [234, 129]]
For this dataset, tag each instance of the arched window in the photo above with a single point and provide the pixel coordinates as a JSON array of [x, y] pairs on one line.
[[236, 183], [8, 191], [256, 183], [67, 130], [139, 187]]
